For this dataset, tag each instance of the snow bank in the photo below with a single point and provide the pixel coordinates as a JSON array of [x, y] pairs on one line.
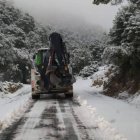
[[12, 106], [135, 100], [9, 87], [116, 118], [101, 76], [89, 70], [108, 132]]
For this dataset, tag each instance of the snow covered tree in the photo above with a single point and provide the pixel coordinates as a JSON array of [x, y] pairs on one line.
[[125, 53], [126, 32], [118, 28], [8, 14], [19, 34], [43, 33], [26, 23], [97, 2], [16, 36], [114, 2]]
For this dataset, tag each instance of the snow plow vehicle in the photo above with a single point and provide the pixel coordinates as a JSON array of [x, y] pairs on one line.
[[51, 73]]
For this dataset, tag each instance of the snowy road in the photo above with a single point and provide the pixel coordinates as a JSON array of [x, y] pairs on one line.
[[88, 116], [54, 119]]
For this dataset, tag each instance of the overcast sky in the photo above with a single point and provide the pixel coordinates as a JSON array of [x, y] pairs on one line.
[[69, 12]]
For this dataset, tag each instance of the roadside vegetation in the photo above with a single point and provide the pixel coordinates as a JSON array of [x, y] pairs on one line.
[[21, 36]]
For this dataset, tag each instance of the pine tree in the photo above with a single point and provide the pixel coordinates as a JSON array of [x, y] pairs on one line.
[[126, 33]]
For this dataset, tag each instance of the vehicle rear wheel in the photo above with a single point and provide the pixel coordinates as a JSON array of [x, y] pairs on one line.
[[36, 96], [69, 95]]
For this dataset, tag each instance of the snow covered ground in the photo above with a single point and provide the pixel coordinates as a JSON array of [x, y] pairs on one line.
[[12, 106], [115, 117]]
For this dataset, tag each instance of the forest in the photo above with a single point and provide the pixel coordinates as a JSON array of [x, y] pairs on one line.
[[21, 35]]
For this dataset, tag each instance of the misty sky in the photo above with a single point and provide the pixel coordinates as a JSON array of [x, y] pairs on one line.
[[69, 12]]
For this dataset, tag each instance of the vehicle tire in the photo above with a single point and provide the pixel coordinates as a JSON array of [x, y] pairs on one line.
[[36, 96], [69, 95]]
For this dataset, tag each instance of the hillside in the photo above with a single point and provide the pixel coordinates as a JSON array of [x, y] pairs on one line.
[[21, 35]]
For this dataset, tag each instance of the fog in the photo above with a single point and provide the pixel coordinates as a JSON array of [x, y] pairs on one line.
[[69, 13]]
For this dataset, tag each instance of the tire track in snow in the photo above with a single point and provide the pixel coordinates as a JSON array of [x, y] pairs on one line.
[[72, 119], [71, 132], [53, 119]]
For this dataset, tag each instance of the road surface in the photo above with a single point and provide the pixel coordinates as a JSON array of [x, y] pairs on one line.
[[53, 118]]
